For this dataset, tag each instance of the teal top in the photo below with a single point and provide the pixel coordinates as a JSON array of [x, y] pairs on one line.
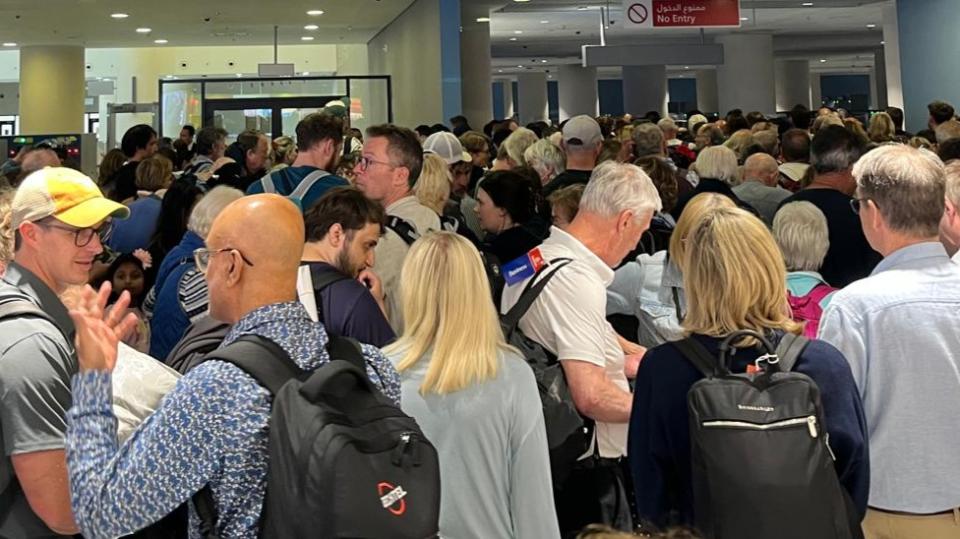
[[800, 283]]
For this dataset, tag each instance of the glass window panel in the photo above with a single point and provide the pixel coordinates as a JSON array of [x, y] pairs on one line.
[[368, 103], [181, 106], [240, 89]]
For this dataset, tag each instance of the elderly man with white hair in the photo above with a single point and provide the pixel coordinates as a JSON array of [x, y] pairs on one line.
[[759, 186], [950, 222], [718, 171], [568, 318], [898, 330], [547, 159]]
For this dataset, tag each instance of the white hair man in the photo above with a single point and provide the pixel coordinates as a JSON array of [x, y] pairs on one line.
[[569, 320], [950, 222], [759, 186], [911, 406], [670, 132], [718, 171], [581, 141], [547, 159]]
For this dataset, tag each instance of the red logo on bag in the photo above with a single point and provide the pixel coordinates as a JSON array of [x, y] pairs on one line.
[[391, 496]]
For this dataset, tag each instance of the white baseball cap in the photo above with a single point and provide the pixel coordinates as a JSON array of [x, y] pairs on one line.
[[446, 146]]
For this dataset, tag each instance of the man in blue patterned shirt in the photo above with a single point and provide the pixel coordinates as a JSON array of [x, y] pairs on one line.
[[212, 428]]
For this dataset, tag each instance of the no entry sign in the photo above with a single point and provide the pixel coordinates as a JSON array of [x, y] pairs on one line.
[[680, 13]]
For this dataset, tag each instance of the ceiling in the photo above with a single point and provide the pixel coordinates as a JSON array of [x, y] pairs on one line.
[[525, 34], [192, 22]]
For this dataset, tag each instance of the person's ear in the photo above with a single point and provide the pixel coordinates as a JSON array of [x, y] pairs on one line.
[[401, 177], [336, 235], [29, 233], [235, 269], [624, 220]]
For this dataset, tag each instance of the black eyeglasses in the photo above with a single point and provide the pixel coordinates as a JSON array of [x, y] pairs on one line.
[[202, 257], [857, 203], [83, 236]]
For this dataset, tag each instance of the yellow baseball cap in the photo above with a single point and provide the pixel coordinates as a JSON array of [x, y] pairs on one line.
[[64, 193]]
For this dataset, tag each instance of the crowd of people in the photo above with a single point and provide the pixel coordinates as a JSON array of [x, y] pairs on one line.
[[544, 301]]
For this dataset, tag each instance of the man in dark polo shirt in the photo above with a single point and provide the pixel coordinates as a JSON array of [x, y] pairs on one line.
[[138, 143], [582, 142], [59, 216], [342, 231]]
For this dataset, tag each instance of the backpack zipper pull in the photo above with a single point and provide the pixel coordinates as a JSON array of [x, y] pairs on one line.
[[812, 425], [401, 449]]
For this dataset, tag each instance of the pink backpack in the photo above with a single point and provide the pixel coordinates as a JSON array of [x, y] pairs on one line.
[[807, 308]]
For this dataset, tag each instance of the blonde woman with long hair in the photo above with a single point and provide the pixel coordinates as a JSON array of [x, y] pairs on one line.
[[735, 279], [433, 186], [474, 396]]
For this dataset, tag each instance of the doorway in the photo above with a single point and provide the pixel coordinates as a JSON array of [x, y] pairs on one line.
[[274, 117]]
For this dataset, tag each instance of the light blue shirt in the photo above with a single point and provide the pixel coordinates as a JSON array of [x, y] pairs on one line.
[[648, 288], [801, 283], [899, 329]]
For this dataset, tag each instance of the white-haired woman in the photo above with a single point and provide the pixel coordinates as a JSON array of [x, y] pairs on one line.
[[718, 171], [474, 396], [547, 159], [179, 295], [800, 229]]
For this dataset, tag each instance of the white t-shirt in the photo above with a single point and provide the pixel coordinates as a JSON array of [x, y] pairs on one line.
[[569, 320]]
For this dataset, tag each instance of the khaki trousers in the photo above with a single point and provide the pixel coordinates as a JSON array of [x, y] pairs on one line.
[[883, 525]]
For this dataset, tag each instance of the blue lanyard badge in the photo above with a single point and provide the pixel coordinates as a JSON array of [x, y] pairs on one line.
[[521, 269]]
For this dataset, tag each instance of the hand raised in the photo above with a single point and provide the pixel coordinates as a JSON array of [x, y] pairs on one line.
[[99, 332]]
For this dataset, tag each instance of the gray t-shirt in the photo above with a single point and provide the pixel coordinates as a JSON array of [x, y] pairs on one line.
[[37, 363], [492, 443]]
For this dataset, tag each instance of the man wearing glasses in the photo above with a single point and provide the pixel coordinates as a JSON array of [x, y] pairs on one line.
[[60, 218], [386, 173]]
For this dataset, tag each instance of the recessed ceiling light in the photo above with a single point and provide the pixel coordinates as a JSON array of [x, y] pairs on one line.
[[9, 44], [871, 26], [499, 71], [143, 30], [521, 0], [544, 22], [686, 67], [518, 32], [160, 41], [305, 73], [582, 8], [311, 27], [483, 19], [807, 4], [119, 15], [513, 39], [520, 67], [823, 61], [883, 42], [315, 12], [239, 74], [543, 61], [306, 38], [744, 18]]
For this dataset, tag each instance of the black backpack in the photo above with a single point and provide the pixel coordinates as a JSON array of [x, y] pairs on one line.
[[568, 433], [760, 454], [344, 460]]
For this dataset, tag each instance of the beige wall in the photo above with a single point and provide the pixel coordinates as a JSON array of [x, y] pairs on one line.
[[53, 90], [408, 50]]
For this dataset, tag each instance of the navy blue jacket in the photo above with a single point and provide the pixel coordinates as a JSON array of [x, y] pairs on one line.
[[659, 440]]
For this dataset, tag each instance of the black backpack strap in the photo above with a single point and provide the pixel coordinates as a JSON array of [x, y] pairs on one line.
[[321, 280], [403, 229], [16, 307], [247, 353], [697, 354], [530, 293], [346, 349], [789, 350]]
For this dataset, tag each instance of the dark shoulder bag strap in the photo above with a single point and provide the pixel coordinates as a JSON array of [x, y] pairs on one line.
[[321, 280], [530, 294], [698, 355], [247, 353], [346, 349], [789, 350]]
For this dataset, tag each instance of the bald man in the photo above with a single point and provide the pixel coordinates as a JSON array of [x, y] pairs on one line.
[[759, 187], [212, 429]]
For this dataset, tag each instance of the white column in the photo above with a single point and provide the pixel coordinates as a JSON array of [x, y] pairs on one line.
[[577, 86], [645, 89], [509, 107], [476, 88], [880, 68], [816, 97], [891, 53], [707, 90], [872, 99], [745, 80], [793, 83], [532, 94]]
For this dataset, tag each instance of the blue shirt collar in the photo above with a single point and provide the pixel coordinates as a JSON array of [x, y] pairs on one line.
[[289, 325], [929, 250]]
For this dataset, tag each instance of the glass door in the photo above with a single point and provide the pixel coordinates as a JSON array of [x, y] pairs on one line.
[[273, 116]]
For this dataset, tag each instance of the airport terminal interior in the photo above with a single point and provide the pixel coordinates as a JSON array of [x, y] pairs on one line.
[[431, 269]]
